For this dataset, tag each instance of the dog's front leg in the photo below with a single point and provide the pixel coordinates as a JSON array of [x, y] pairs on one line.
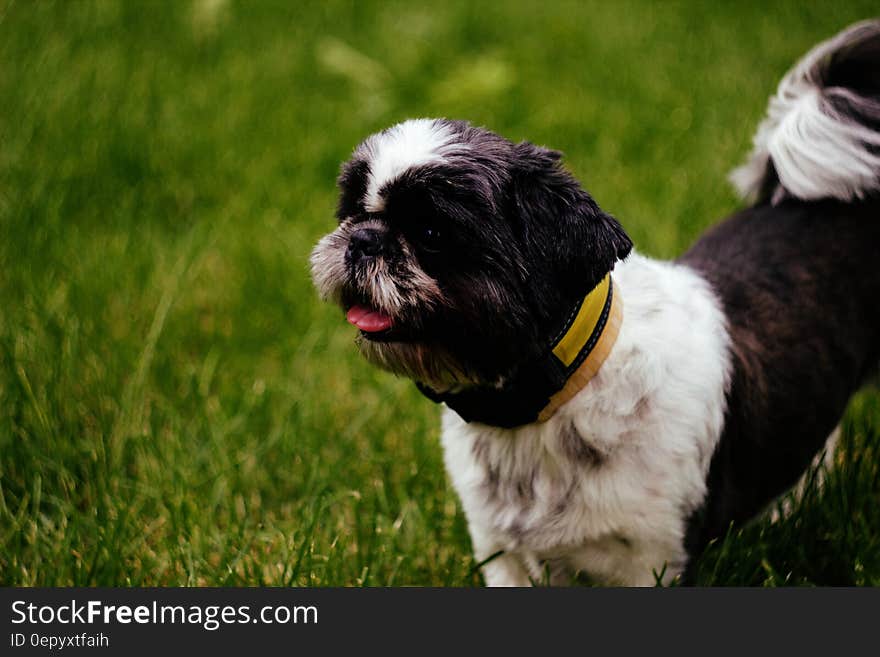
[[505, 570], [499, 568]]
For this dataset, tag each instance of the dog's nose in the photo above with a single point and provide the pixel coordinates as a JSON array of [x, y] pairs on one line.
[[364, 242]]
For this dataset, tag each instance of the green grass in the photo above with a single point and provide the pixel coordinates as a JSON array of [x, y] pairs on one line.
[[176, 406]]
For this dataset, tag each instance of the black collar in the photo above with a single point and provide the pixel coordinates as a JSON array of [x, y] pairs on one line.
[[540, 386]]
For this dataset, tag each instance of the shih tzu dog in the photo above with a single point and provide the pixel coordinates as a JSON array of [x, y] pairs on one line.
[[607, 414]]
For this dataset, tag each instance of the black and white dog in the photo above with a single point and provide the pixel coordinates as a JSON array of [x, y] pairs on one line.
[[606, 413]]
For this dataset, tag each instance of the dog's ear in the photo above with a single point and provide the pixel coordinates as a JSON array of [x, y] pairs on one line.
[[560, 223]]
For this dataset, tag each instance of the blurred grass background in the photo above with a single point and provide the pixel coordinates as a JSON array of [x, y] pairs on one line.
[[176, 407]]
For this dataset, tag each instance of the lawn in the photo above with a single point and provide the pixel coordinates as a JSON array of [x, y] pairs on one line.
[[176, 405]]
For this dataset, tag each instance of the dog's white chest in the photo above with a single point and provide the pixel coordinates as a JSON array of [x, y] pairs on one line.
[[606, 485]]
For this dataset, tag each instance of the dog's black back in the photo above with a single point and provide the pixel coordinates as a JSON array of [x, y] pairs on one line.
[[800, 285]]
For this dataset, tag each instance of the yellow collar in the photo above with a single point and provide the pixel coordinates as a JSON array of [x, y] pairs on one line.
[[540, 386], [575, 342]]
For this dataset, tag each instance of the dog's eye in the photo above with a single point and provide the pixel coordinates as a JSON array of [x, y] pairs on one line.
[[430, 238]]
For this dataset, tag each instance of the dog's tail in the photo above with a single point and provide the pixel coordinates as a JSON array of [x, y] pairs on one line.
[[821, 136]]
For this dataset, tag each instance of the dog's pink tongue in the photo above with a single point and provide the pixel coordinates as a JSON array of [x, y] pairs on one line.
[[367, 319]]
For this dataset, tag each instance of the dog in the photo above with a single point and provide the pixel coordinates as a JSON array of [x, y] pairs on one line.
[[606, 415]]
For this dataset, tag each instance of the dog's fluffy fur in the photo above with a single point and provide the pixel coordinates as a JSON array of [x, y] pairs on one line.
[[732, 366]]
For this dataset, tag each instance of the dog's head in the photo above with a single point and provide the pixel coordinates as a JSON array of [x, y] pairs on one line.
[[458, 251]]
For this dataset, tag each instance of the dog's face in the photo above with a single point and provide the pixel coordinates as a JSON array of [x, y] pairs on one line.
[[457, 251]]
